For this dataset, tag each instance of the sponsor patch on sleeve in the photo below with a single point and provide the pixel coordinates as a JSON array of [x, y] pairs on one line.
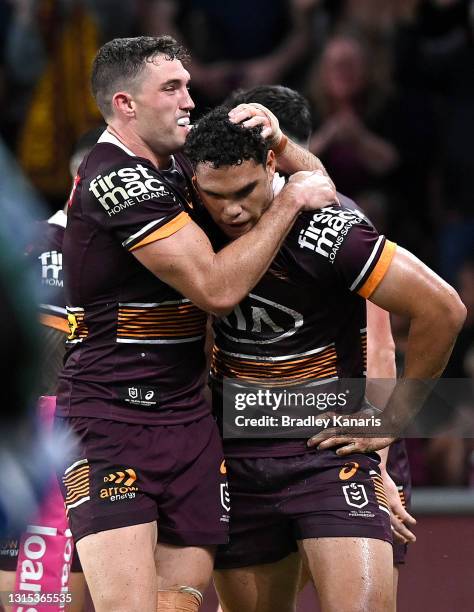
[[327, 230]]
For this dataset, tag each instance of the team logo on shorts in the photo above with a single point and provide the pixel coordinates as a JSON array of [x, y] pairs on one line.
[[122, 489], [355, 495], [225, 497], [348, 470]]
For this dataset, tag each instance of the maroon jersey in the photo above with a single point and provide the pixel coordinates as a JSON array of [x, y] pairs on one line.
[[135, 344], [305, 321], [47, 252], [46, 256]]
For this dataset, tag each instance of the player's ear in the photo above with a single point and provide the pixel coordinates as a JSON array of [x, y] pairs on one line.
[[124, 104], [271, 161]]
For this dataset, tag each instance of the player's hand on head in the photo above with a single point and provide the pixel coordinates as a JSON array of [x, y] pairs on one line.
[[314, 190], [400, 519], [254, 114]]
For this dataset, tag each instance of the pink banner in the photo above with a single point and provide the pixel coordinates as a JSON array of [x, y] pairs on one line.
[[46, 547]]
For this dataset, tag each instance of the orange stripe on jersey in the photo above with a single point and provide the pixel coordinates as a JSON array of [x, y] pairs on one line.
[[379, 271], [59, 323], [165, 230], [166, 321], [293, 370]]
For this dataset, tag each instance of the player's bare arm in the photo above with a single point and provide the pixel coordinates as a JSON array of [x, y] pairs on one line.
[[436, 313], [216, 282]]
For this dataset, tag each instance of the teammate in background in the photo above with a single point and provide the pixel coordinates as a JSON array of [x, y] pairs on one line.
[[46, 254], [140, 276], [294, 116], [306, 320]]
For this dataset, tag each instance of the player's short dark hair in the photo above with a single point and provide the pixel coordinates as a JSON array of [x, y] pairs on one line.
[[216, 140], [120, 61], [290, 108]]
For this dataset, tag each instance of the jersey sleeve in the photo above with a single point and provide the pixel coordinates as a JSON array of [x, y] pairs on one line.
[[131, 201], [364, 259], [345, 244]]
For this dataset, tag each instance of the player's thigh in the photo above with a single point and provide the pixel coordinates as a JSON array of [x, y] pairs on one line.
[[119, 567], [395, 587], [271, 587], [7, 585], [189, 566], [77, 588], [350, 574]]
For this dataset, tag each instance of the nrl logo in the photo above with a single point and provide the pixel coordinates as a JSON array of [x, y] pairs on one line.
[[225, 497], [355, 495]]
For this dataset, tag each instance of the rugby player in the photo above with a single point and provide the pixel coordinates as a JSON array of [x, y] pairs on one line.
[[306, 320], [294, 116], [140, 276]]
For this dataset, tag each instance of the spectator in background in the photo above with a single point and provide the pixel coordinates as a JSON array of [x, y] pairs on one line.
[[351, 116], [240, 44], [49, 48]]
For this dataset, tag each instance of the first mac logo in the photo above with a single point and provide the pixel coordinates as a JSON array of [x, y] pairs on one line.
[[126, 187]]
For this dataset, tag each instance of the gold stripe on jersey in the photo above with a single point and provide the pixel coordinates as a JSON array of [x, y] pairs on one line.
[[162, 323], [294, 370], [165, 231], [379, 271], [77, 327], [59, 323]]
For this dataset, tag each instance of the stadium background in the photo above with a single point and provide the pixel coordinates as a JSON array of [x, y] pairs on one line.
[[398, 70]]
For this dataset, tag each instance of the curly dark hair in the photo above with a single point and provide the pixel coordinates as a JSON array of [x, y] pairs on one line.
[[119, 62], [218, 141]]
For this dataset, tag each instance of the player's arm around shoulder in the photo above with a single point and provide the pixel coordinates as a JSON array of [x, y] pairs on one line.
[[409, 288], [216, 282]]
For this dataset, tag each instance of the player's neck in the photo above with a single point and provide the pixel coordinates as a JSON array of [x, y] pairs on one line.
[[133, 142]]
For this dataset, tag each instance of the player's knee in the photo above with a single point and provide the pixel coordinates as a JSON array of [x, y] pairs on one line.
[[179, 599]]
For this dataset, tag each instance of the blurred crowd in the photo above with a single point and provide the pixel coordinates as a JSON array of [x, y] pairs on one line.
[[391, 89]]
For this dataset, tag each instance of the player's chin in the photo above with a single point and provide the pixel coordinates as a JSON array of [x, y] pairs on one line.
[[235, 231], [182, 133]]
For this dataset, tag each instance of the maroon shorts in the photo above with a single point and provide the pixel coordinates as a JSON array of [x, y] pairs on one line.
[[126, 474], [398, 468], [279, 500], [9, 548]]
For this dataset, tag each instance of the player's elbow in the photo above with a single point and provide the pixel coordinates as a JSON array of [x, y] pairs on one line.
[[451, 312], [458, 313], [222, 305], [219, 302]]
